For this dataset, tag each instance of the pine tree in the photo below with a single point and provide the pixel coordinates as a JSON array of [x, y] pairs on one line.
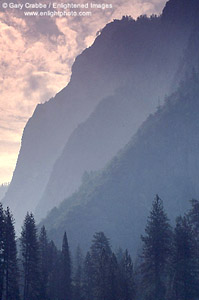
[[44, 263], [77, 290], [87, 278], [126, 278], [54, 272], [10, 260], [156, 252], [100, 261], [193, 218], [113, 279], [119, 255], [65, 284], [193, 215], [30, 258], [100, 242], [2, 245], [185, 267]]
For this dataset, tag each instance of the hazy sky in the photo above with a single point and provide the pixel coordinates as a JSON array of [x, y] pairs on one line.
[[36, 54]]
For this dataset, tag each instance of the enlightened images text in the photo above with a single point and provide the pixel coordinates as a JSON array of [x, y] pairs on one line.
[[55, 5]]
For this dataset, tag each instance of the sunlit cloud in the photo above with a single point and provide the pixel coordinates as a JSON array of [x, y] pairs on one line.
[[36, 55]]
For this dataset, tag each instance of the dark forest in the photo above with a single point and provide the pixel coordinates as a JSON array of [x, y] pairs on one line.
[[167, 266]]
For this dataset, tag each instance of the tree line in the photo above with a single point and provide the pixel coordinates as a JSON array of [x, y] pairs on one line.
[[32, 268]]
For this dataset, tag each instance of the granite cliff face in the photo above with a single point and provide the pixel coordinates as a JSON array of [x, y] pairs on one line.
[[151, 50], [94, 76], [130, 63], [162, 158]]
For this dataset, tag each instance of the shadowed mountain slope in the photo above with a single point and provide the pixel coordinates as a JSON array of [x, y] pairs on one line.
[[161, 158], [153, 50], [140, 57]]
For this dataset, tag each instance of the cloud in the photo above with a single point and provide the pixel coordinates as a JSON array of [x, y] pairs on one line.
[[36, 54]]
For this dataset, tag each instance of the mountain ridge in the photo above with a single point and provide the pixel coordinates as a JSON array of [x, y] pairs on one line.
[[69, 168], [96, 74], [161, 158]]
